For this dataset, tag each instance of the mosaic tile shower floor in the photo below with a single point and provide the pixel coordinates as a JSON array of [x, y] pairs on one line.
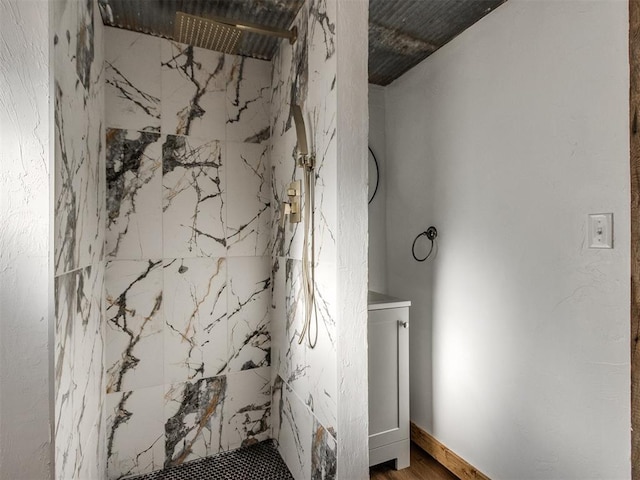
[[256, 462]]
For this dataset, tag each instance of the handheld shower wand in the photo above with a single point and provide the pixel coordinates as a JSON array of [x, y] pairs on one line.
[[306, 161]]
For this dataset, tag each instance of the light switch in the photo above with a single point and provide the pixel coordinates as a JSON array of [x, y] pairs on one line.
[[601, 230]]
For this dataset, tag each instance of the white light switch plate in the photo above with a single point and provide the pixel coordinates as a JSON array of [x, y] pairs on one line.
[[601, 230]]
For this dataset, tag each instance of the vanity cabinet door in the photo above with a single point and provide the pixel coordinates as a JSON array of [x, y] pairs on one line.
[[388, 376]]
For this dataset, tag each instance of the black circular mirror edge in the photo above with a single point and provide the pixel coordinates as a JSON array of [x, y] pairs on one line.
[[375, 161]]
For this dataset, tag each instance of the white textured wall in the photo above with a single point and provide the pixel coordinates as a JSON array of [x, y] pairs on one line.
[[506, 139], [24, 240], [377, 207], [352, 126]]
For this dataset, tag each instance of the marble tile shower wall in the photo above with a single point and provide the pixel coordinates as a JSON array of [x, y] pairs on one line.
[[304, 379], [79, 216], [187, 281]]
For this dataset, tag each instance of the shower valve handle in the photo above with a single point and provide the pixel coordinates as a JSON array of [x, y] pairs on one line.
[[286, 210]]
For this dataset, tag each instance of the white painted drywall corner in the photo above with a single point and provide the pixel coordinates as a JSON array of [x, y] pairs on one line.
[[352, 127], [377, 207], [24, 240], [505, 139]]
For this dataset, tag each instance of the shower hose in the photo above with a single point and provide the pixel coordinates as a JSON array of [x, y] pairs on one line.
[[308, 254]]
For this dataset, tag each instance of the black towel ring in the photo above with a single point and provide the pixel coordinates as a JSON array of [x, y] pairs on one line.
[[431, 233]]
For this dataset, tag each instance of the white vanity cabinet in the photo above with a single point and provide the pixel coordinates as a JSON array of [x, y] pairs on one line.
[[388, 336]]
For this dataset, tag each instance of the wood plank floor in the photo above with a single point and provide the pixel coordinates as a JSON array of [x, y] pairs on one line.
[[423, 466]]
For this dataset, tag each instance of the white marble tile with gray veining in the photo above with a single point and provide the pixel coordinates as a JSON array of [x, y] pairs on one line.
[[322, 116], [247, 100], [132, 64], [295, 366], [248, 313], [195, 311], [134, 195], [135, 324], [323, 371], [78, 229], [94, 453], [66, 288], [79, 378], [286, 237], [290, 83], [292, 429], [193, 91], [277, 386], [290, 78], [247, 408], [248, 224], [194, 208], [277, 314], [78, 95], [320, 113], [311, 372], [278, 153], [89, 338], [324, 452], [322, 34], [135, 432], [101, 445], [305, 74], [194, 419]]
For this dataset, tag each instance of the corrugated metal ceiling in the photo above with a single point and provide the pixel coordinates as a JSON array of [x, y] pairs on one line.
[[402, 33]]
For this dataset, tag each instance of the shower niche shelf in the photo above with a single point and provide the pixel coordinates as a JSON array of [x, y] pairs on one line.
[[388, 335]]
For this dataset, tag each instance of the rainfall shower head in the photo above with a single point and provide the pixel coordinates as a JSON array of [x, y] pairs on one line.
[[301, 131], [221, 34]]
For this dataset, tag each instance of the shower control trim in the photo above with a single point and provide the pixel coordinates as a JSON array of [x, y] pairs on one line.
[[293, 192], [292, 207]]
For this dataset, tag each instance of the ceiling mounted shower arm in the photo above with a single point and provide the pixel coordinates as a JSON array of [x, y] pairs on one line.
[[291, 35]]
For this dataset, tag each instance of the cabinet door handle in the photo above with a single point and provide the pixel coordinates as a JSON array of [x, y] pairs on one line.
[[402, 324]]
